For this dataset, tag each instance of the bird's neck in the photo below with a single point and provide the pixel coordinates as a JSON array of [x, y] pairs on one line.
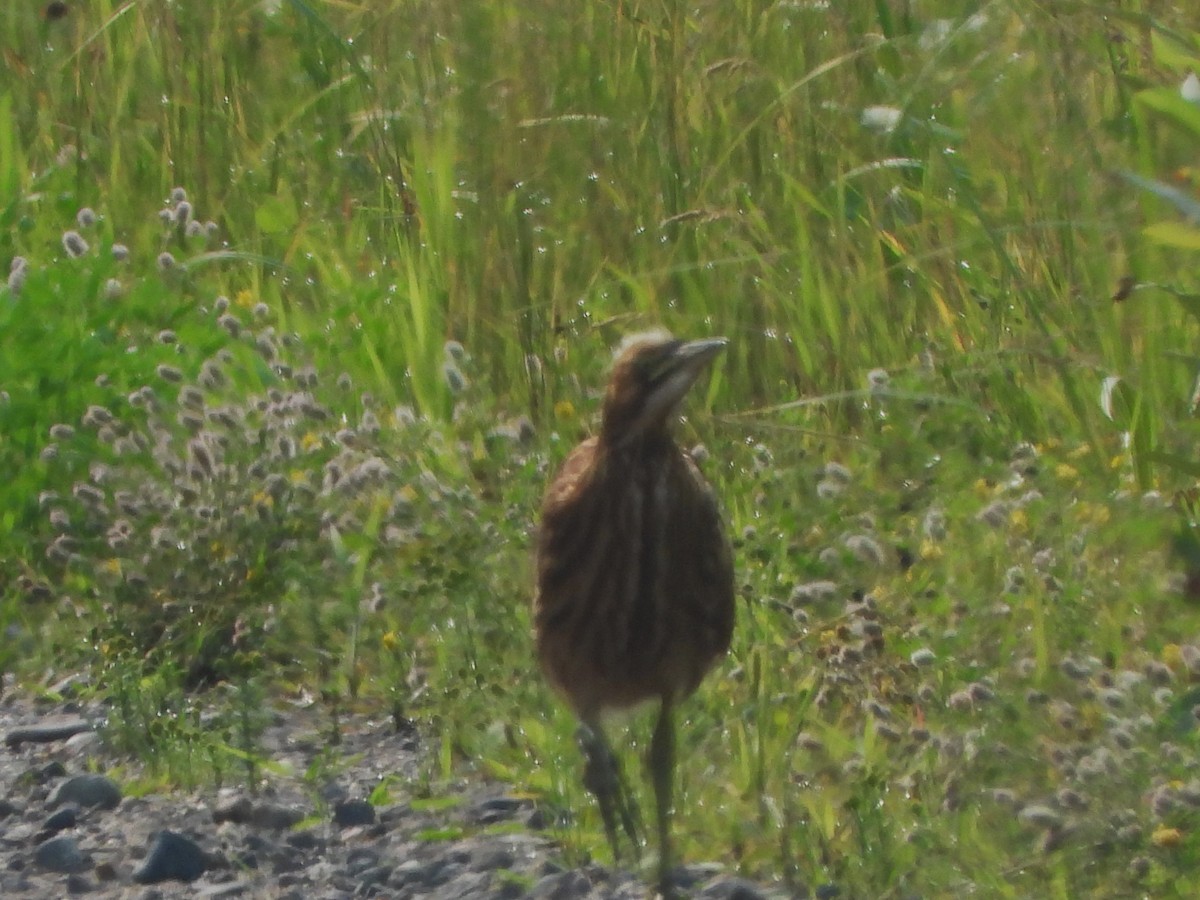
[[641, 445]]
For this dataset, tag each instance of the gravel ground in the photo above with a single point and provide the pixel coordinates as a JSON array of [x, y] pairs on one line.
[[66, 830]]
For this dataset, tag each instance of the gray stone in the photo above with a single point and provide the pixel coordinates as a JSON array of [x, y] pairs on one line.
[[563, 886], [305, 840], [87, 790], [83, 743], [50, 771], [728, 887], [239, 809], [376, 875], [224, 889], [360, 859], [353, 812], [66, 816], [79, 884], [52, 728], [276, 816], [498, 809], [487, 857], [172, 857], [61, 854]]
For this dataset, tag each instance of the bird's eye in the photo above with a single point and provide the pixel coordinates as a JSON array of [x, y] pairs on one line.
[[653, 364]]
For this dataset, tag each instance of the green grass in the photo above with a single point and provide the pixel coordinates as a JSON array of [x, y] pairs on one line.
[[933, 239]]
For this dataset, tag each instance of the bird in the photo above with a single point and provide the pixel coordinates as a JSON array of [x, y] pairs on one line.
[[634, 599]]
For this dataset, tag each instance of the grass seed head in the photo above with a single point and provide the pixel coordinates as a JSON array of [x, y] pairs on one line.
[[1038, 815], [455, 379], [16, 281], [74, 244]]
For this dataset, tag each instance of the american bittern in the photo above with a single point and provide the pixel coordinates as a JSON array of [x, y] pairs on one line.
[[634, 574]]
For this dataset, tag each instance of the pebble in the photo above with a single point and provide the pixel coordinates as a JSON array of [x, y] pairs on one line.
[[353, 812], [243, 810], [60, 854], [87, 790], [67, 832], [66, 816], [498, 809], [53, 728], [172, 857], [731, 888]]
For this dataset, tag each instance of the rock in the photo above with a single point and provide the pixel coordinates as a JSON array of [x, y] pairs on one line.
[[61, 854], [688, 876], [398, 848], [497, 809], [84, 742], [87, 790], [66, 816], [276, 816], [353, 812], [172, 857], [50, 771], [360, 859], [52, 728], [79, 884], [224, 889], [240, 809], [304, 840], [490, 856], [244, 811], [562, 886], [69, 686], [376, 875], [728, 887]]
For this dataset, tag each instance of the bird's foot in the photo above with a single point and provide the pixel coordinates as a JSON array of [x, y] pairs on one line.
[[602, 777]]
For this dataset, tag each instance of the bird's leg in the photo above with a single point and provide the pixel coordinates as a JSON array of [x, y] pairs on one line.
[[602, 777], [662, 773]]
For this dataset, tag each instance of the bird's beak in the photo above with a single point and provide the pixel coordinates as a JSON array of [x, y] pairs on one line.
[[677, 372], [695, 355]]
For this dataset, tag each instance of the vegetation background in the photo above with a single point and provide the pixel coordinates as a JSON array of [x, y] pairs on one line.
[[305, 300]]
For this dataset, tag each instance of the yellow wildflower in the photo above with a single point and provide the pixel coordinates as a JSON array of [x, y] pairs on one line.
[[1166, 837], [1066, 472], [1171, 656]]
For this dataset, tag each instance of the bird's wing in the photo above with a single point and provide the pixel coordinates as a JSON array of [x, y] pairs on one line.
[[709, 554]]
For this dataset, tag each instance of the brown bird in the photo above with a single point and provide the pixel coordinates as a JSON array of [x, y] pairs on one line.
[[635, 596]]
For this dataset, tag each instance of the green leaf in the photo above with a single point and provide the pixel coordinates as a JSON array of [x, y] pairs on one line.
[[1167, 102], [1182, 464], [1174, 234], [1173, 53], [276, 215]]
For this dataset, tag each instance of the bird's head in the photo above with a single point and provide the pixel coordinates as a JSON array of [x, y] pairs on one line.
[[651, 374]]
